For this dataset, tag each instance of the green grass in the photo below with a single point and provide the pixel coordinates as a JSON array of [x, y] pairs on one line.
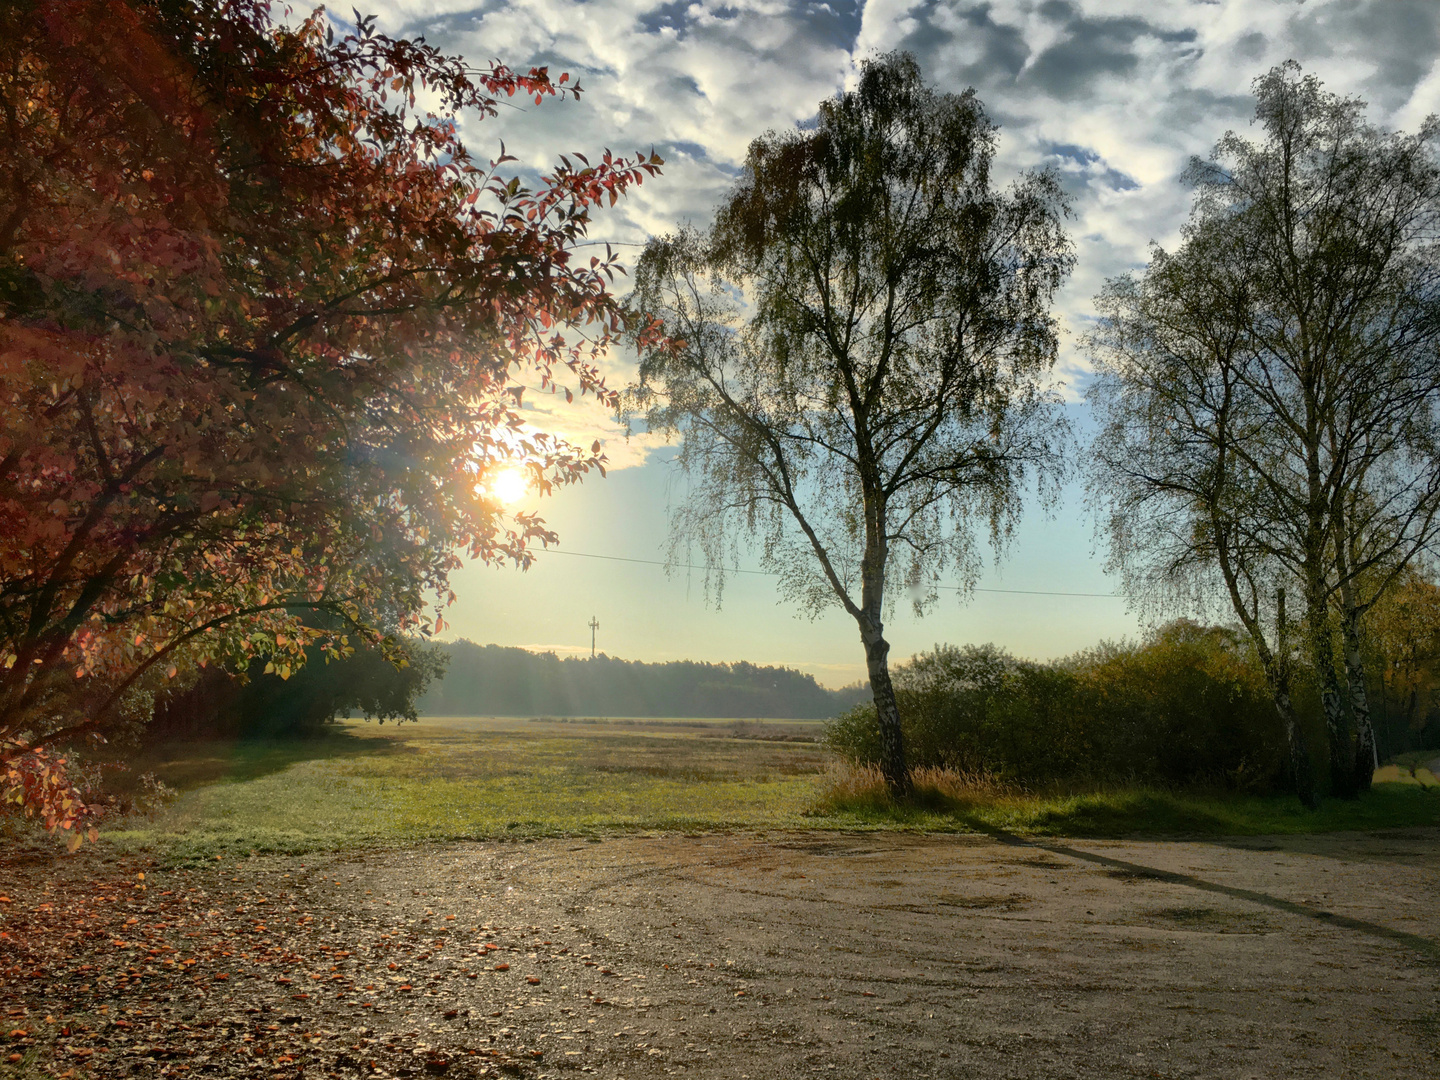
[[451, 779], [942, 800]]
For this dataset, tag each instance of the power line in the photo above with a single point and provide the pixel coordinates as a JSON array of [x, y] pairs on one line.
[[770, 573]]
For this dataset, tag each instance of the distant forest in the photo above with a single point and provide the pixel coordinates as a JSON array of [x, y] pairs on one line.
[[494, 680]]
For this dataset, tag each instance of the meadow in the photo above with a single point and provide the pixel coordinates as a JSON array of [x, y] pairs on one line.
[[367, 785]]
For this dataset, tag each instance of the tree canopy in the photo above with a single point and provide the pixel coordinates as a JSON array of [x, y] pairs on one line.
[[1268, 392], [265, 324], [859, 351]]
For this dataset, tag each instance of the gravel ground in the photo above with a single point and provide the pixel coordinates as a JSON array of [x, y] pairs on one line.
[[795, 955]]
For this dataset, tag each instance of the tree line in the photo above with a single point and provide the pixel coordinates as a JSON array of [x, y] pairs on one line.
[[493, 680], [1188, 705], [415, 678]]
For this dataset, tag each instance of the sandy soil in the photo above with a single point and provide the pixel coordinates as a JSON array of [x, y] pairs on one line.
[[846, 955]]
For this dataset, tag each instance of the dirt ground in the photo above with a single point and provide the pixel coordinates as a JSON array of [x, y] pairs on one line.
[[795, 955]]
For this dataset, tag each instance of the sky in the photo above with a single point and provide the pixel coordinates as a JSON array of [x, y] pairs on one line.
[[1116, 95]]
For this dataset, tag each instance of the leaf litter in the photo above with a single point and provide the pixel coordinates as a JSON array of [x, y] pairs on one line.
[[109, 969]]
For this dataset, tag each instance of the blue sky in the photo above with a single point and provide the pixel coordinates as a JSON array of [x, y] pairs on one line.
[[1116, 95]]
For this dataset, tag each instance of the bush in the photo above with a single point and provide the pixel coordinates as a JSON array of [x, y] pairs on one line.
[[1188, 705]]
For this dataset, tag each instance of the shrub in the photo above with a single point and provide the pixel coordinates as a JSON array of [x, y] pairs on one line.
[[1187, 705]]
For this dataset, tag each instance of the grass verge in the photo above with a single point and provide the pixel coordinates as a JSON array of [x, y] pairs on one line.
[[465, 779], [950, 800]]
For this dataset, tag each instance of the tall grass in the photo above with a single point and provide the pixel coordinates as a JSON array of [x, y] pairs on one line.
[[950, 799]]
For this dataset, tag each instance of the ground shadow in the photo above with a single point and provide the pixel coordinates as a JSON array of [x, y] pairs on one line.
[[1426, 947], [185, 765]]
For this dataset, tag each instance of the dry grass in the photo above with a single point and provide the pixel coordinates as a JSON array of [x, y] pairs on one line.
[[851, 786]]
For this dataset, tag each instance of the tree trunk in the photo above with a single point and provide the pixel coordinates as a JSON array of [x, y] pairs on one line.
[[1322, 656], [1301, 771], [1277, 674], [887, 712], [1366, 759]]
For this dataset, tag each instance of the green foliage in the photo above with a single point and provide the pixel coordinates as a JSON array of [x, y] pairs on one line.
[[1267, 396], [220, 703], [857, 356], [1188, 705]]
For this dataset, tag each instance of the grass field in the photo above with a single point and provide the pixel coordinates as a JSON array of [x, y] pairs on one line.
[[456, 778], [471, 778]]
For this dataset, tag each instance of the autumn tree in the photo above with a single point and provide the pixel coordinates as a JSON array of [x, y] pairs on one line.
[[860, 344], [264, 327], [1268, 394], [1402, 634]]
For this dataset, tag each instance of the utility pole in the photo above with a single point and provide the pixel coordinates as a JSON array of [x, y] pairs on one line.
[[594, 625]]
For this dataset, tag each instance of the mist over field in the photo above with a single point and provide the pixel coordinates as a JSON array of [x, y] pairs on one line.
[[492, 680]]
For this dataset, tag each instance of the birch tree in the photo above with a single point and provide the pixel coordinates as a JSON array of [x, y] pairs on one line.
[[858, 354], [1286, 353]]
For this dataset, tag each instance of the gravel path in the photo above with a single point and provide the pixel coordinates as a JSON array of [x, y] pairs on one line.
[[852, 955]]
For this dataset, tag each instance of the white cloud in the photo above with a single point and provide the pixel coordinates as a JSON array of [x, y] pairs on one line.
[[586, 420], [1117, 94], [1424, 101]]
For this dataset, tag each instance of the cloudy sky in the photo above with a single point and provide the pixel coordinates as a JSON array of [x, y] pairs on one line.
[[1116, 95]]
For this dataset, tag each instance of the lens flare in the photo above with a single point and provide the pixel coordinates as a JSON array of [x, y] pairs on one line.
[[508, 486]]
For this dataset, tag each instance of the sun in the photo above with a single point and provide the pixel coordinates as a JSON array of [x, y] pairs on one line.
[[508, 486]]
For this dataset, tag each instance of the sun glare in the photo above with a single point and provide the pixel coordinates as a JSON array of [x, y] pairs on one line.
[[508, 486]]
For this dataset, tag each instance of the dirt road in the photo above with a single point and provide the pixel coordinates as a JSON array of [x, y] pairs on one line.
[[856, 955]]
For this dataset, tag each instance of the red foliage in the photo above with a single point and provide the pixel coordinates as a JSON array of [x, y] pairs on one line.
[[40, 785], [260, 320]]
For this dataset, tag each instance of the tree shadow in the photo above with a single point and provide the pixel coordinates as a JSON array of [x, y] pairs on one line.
[[192, 763], [1426, 947]]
